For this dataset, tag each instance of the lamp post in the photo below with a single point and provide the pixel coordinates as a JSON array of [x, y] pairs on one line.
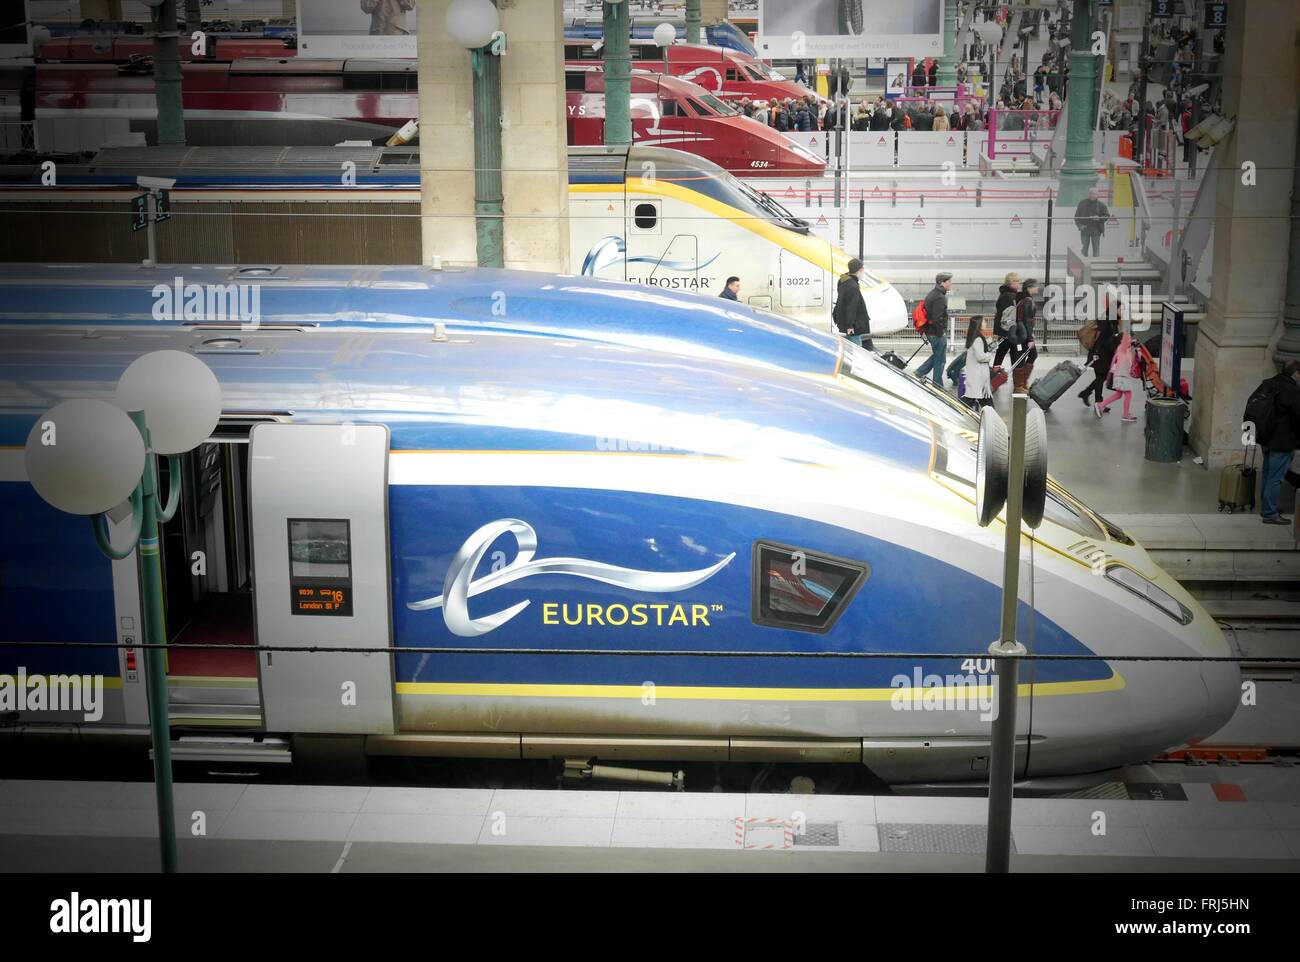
[[990, 31], [167, 71], [1011, 471], [618, 73], [87, 457], [476, 26]]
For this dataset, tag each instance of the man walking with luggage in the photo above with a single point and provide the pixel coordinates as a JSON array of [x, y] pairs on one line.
[[1279, 436], [1090, 217], [1024, 350], [936, 328], [850, 310]]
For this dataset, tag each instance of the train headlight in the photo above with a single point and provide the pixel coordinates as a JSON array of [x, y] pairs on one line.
[[1134, 582]]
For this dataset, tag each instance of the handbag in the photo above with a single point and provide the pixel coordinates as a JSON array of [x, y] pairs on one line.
[[1088, 335], [997, 378]]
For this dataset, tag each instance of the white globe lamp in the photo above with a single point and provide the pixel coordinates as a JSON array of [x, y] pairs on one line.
[[179, 395], [473, 23], [990, 31], [665, 34], [84, 457]]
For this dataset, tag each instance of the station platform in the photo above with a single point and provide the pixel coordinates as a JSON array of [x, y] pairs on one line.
[[111, 826]]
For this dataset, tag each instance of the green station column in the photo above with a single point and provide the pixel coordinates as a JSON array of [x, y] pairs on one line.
[[947, 72], [1078, 174], [693, 21], [167, 75], [618, 74], [489, 204]]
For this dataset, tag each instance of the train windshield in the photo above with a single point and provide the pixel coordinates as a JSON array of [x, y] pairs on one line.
[[761, 71], [868, 368], [772, 208], [716, 106]]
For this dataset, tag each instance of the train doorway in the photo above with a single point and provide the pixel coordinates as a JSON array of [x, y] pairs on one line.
[[208, 589]]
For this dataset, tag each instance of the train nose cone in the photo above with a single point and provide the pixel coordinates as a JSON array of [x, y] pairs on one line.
[[1223, 692], [886, 309], [1222, 679]]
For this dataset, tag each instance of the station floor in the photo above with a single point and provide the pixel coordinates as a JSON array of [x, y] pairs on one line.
[[111, 826], [1103, 461]]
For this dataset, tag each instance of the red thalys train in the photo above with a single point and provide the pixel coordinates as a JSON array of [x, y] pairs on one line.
[[304, 102]]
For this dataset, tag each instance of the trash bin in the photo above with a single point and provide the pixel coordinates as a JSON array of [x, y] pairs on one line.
[[1164, 429]]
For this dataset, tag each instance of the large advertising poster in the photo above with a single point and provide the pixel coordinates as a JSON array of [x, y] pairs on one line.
[[896, 74], [356, 28], [850, 28]]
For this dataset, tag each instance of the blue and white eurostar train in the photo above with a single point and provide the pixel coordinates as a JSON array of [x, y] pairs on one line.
[[717, 513]]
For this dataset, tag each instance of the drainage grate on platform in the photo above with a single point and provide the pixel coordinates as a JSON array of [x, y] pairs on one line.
[[819, 833], [931, 839], [1104, 791]]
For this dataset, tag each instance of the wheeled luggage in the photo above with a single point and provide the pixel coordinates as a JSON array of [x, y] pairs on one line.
[[897, 361], [1054, 383], [1237, 487]]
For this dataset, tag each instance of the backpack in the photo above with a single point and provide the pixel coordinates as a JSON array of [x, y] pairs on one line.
[[1005, 325], [919, 318], [1261, 410], [1088, 335]]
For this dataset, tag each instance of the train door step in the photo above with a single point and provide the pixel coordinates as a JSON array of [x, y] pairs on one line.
[[274, 751]]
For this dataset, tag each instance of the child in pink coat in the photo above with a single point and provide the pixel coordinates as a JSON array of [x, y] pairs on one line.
[[1126, 377]]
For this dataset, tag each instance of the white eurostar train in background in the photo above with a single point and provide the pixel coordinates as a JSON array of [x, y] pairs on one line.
[[647, 215]]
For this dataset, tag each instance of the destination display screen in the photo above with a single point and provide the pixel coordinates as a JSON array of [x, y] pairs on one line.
[[320, 566]]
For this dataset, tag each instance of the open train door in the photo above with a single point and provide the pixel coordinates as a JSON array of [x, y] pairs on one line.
[[319, 506]]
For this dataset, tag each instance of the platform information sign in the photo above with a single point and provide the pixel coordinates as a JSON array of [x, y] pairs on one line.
[[1171, 346]]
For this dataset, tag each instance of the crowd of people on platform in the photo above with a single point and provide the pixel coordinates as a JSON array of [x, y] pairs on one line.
[[810, 113]]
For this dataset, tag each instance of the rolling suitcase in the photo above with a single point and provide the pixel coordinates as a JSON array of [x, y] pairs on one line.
[[897, 361], [1237, 487], [1054, 383]]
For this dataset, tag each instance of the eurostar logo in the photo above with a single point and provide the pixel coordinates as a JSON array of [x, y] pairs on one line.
[[460, 584]]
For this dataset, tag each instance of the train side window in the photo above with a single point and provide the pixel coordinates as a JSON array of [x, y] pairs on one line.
[[803, 590], [645, 216], [699, 108], [669, 108], [731, 73]]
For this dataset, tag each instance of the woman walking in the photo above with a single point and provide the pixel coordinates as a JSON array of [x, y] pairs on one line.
[[978, 392]]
